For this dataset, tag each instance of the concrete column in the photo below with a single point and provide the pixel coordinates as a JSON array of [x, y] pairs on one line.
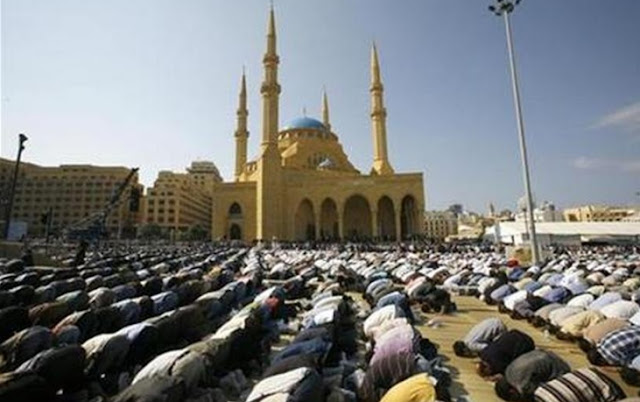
[[340, 226], [374, 223], [419, 229], [317, 222], [397, 213]]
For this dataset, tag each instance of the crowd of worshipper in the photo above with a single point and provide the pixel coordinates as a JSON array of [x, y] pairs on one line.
[[331, 323], [589, 297], [219, 323]]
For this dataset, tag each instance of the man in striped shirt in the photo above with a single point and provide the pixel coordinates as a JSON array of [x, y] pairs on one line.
[[585, 384], [617, 348]]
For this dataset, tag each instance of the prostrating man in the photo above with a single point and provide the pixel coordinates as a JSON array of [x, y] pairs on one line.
[[573, 327], [438, 300], [618, 348], [418, 388], [495, 358], [585, 384], [385, 373], [523, 376], [594, 334], [479, 337]]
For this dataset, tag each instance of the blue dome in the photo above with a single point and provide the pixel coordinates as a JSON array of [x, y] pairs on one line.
[[304, 122]]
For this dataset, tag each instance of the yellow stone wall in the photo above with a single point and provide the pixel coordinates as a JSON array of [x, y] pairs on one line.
[[316, 188], [224, 195]]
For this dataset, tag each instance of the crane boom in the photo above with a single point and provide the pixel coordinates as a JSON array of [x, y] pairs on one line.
[[95, 225]]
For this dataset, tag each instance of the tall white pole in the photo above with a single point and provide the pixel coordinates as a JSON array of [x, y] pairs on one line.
[[535, 252]]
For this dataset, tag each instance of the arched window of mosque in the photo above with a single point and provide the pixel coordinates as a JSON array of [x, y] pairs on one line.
[[235, 210]]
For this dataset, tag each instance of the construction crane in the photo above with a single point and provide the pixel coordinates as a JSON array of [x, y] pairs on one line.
[[94, 227]]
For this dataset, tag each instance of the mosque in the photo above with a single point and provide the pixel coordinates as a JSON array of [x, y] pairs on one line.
[[302, 186]]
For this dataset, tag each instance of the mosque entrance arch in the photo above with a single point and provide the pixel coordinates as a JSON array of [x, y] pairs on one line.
[[329, 220], [235, 232], [305, 228], [408, 217], [386, 219], [234, 218], [357, 218]]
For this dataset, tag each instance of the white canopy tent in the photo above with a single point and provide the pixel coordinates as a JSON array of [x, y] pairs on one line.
[[565, 232]]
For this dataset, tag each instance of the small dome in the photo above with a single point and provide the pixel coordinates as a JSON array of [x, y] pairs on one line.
[[304, 122]]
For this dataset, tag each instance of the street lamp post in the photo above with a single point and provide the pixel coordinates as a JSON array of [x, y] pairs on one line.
[[504, 8], [22, 139]]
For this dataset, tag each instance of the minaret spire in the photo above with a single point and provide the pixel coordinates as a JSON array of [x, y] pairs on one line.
[[242, 104], [381, 165], [271, 33], [375, 66], [241, 133], [270, 88], [325, 110]]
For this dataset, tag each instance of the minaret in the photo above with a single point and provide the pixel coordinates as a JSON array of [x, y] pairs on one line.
[[325, 111], [270, 89], [241, 134], [381, 165], [269, 207]]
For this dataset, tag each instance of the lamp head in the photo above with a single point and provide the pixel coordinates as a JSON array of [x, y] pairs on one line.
[[503, 6]]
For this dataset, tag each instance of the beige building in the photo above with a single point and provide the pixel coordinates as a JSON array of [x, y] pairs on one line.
[[598, 213], [303, 186], [439, 225], [204, 174], [546, 212], [72, 193], [178, 201]]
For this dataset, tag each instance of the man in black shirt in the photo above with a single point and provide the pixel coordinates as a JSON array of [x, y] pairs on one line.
[[499, 354]]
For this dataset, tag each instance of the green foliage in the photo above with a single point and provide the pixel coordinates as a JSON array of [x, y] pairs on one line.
[[197, 233], [151, 231]]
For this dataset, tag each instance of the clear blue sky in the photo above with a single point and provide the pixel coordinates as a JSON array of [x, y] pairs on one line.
[[154, 83]]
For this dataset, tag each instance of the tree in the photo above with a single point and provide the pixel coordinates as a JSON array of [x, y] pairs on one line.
[[151, 231], [196, 233]]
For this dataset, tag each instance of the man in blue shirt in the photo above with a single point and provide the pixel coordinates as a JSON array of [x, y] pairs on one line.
[[617, 348]]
